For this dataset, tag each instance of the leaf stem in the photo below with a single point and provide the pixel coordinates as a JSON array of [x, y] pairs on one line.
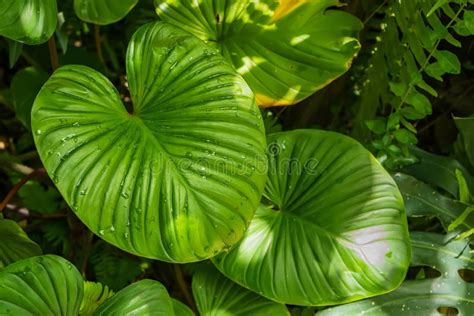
[[53, 53], [184, 287], [375, 12], [19, 185], [98, 46], [88, 236]]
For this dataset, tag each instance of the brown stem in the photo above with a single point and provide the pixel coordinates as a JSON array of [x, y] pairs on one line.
[[18, 186], [184, 287], [53, 53], [98, 45], [85, 251]]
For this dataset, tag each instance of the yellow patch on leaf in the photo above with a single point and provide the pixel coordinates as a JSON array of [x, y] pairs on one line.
[[265, 101], [285, 7]]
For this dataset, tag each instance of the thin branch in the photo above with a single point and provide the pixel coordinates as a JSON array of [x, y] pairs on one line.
[[53, 53], [18, 186], [98, 46], [375, 12], [88, 236], [184, 287]]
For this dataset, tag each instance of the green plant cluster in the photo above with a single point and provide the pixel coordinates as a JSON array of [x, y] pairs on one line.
[[175, 157]]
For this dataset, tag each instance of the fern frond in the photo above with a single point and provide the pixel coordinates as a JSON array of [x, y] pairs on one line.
[[112, 268], [395, 83], [95, 294]]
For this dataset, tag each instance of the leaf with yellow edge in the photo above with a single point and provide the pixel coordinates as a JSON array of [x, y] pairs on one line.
[[286, 50]]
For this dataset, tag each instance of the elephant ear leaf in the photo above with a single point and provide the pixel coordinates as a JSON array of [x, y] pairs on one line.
[[15, 244], [103, 12], [286, 50], [332, 225], [217, 295], [180, 178], [28, 21], [45, 285], [146, 297]]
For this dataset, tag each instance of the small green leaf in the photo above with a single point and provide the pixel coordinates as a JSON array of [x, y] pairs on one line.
[[217, 295], [469, 21], [461, 219], [103, 12], [398, 88], [145, 296], [411, 114], [464, 194], [15, 244], [448, 61], [436, 6], [435, 71], [393, 121], [419, 102], [45, 285], [25, 86], [62, 37], [406, 137], [14, 52], [377, 126]]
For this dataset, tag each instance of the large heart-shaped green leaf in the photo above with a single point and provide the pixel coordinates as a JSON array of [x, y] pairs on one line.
[[286, 50], [46, 285], [103, 11], [28, 21], [181, 177], [333, 227], [15, 244], [216, 295], [146, 297]]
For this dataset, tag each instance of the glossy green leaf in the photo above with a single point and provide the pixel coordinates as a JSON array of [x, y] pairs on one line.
[[15, 244], [333, 227], [146, 297], [25, 86], [438, 171], [181, 309], [216, 295], [424, 297], [45, 285], [181, 177], [103, 12], [28, 21], [286, 50], [466, 129], [422, 200]]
